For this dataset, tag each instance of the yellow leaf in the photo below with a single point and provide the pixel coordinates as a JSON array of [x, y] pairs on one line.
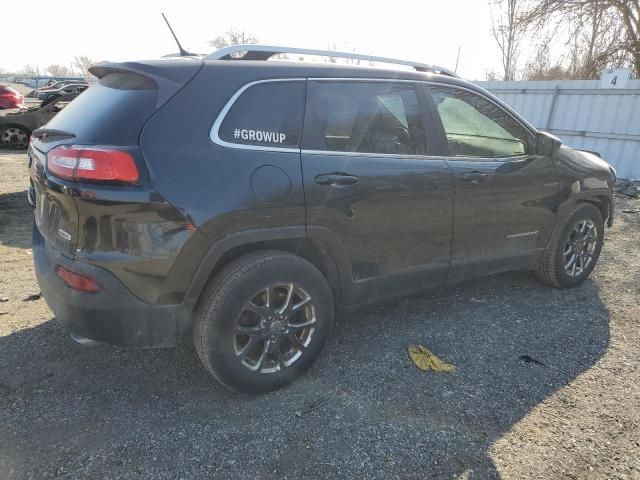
[[425, 360]]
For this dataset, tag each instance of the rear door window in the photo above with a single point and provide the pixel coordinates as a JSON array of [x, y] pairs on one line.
[[267, 114], [364, 117]]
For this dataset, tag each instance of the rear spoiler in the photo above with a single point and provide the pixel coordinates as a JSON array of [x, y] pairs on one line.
[[169, 75], [597, 154]]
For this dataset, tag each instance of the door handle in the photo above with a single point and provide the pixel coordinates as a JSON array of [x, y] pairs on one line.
[[475, 177], [336, 179]]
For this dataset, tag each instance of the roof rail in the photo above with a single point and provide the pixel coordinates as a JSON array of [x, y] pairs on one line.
[[264, 52]]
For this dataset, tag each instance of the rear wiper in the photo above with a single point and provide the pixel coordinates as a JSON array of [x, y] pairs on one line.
[[50, 133]]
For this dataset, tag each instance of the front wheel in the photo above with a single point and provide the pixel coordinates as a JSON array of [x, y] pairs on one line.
[[262, 321], [573, 256]]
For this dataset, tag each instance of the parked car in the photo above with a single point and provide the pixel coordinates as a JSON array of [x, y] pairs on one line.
[[16, 127], [10, 98], [42, 92], [292, 190], [34, 93], [47, 97]]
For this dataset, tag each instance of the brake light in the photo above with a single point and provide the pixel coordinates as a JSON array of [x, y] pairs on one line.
[[93, 164], [77, 281]]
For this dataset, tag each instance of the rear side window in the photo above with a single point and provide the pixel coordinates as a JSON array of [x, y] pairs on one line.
[[365, 117], [266, 114], [476, 127]]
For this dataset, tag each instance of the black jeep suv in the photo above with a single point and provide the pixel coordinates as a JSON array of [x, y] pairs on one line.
[[245, 200]]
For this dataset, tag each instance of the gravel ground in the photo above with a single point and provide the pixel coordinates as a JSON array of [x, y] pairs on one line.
[[363, 410]]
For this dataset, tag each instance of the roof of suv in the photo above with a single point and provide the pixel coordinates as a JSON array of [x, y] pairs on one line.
[[257, 55], [172, 73], [280, 69]]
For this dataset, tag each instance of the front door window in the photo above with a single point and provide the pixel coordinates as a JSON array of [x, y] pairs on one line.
[[476, 127]]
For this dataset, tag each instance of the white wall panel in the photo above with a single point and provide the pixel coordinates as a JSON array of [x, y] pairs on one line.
[[603, 120]]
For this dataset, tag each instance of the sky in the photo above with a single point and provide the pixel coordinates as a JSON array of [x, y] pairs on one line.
[[427, 31]]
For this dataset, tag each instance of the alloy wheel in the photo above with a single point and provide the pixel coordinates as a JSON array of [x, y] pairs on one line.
[[274, 328], [580, 248], [14, 137]]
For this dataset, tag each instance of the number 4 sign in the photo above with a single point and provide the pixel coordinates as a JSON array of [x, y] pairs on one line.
[[615, 78]]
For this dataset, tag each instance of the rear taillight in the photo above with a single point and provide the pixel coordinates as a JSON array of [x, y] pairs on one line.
[[77, 281], [92, 164]]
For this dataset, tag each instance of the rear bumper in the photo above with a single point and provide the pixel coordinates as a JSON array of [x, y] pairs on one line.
[[112, 315]]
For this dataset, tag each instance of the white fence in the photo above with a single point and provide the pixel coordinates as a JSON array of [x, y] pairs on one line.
[[583, 115]]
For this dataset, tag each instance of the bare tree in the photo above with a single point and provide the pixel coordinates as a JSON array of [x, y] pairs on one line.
[[541, 66], [83, 63], [56, 70], [629, 11], [30, 71], [602, 33], [233, 36], [509, 26]]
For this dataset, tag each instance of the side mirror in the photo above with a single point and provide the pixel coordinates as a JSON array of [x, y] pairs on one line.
[[547, 144]]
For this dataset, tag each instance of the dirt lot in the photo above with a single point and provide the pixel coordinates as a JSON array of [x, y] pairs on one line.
[[363, 410]]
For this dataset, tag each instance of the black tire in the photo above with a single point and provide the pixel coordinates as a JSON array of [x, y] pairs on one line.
[[552, 271], [14, 136], [222, 310]]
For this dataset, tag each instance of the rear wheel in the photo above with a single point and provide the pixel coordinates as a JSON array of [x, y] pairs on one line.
[[262, 321], [573, 255], [14, 137]]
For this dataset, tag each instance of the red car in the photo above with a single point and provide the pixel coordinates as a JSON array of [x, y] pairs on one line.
[[10, 98]]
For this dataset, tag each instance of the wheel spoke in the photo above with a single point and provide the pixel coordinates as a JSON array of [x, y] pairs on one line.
[[301, 303], [249, 345], [262, 312], [267, 298], [263, 355], [298, 326], [277, 353], [250, 331], [570, 262], [295, 341], [287, 301]]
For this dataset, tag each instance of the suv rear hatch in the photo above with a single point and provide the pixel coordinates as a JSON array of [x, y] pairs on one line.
[[108, 116]]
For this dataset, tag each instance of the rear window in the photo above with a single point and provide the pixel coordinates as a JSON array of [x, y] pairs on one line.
[[111, 112], [266, 114]]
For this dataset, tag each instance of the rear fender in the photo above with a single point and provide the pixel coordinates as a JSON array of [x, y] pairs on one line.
[[327, 245]]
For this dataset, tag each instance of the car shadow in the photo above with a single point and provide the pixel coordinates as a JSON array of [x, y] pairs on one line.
[[363, 410], [16, 215]]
